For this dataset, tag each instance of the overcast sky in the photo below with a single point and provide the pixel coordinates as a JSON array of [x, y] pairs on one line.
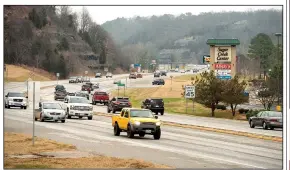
[[101, 14]]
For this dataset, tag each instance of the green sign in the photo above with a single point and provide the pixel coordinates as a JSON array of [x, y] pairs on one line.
[[120, 84]]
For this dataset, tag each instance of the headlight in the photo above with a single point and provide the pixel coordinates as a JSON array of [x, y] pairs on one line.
[[10, 100], [158, 123], [137, 123]]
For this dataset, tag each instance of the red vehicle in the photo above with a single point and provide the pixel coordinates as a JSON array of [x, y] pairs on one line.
[[100, 97], [86, 87]]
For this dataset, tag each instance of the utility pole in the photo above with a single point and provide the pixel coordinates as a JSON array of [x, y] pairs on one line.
[[33, 113]]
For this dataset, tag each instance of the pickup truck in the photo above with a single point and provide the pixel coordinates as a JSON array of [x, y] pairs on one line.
[[136, 121], [118, 103], [100, 97], [155, 105]]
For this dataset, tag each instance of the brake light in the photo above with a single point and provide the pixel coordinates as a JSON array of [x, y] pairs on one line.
[[117, 102]]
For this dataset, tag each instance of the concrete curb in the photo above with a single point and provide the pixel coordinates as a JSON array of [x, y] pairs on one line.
[[232, 132]]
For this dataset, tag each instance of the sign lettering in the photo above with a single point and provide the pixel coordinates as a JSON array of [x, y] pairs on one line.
[[189, 92], [223, 54], [222, 66]]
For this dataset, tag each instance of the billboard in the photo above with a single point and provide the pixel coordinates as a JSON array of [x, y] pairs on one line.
[[223, 54], [218, 66]]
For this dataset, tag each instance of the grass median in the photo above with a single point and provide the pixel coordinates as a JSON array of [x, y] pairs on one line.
[[173, 101], [20, 154]]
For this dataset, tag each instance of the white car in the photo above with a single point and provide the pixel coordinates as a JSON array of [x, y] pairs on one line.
[[16, 99], [73, 80], [50, 111], [182, 71], [79, 107], [109, 75]]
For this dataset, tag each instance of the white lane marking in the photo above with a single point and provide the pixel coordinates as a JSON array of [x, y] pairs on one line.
[[123, 141]]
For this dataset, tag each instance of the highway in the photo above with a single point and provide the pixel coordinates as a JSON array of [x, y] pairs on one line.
[[178, 147]]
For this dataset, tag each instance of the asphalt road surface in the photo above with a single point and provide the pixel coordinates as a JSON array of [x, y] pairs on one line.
[[107, 85], [178, 147]]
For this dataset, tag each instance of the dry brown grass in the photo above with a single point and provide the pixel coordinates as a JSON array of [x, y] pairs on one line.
[[20, 144], [22, 73], [87, 162], [17, 144]]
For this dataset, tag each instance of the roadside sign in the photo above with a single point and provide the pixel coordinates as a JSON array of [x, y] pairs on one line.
[[120, 84], [223, 72], [222, 66], [57, 74], [206, 59], [189, 92], [224, 77]]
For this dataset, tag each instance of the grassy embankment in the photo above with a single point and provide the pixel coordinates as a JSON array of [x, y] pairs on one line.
[[174, 102], [22, 73], [16, 145]]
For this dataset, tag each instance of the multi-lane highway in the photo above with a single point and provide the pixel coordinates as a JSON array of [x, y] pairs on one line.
[[178, 147]]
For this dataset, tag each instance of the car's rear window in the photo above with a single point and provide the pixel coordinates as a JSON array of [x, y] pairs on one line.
[[274, 114], [101, 93]]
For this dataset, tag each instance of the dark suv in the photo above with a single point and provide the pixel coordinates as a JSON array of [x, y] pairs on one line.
[[118, 103], [158, 82], [155, 105], [163, 73]]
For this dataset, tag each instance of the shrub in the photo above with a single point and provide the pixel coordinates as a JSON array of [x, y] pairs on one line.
[[222, 107], [241, 111]]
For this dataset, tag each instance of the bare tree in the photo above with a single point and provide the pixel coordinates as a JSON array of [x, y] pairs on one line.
[[85, 20]]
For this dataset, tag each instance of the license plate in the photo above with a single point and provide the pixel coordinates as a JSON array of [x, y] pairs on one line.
[[157, 106], [17, 104], [147, 131]]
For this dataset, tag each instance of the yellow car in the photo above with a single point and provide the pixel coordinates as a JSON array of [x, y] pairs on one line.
[[136, 121]]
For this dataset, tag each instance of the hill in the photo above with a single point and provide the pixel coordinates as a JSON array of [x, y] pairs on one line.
[[49, 38], [22, 73], [184, 37]]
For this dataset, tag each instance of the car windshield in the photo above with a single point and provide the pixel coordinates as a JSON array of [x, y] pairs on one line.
[[78, 100], [275, 114], [141, 113], [81, 94], [51, 106], [59, 87], [16, 95]]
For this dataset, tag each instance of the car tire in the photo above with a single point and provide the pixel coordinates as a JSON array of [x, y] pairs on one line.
[[108, 110], [68, 116], [162, 112], [130, 133], [25, 107], [141, 134], [272, 128], [114, 111], [41, 119], [265, 127], [8, 106], [252, 125], [157, 134], [94, 103], [80, 117], [62, 121], [90, 117], [5, 105], [35, 119], [156, 113], [117, 130]]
